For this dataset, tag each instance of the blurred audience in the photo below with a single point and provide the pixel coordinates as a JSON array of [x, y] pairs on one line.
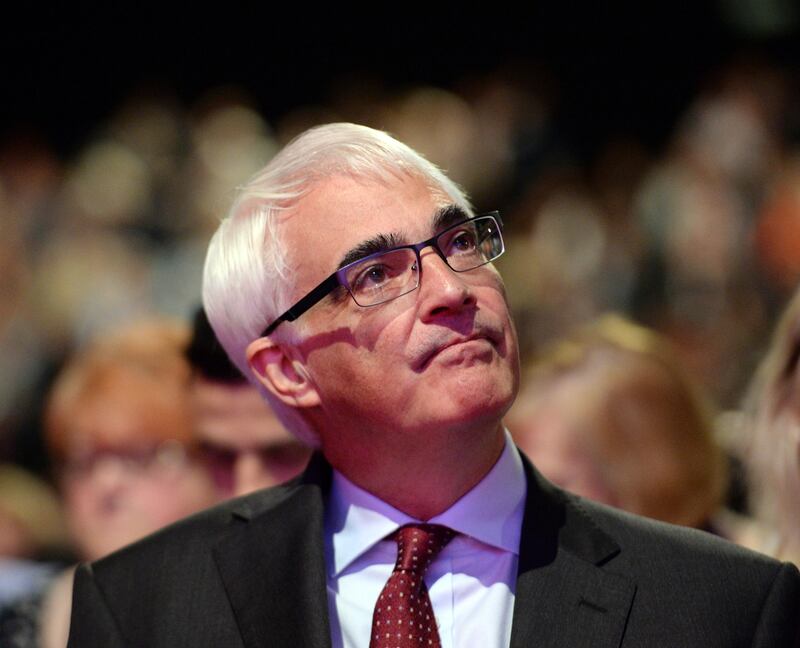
[[610, 415], [33, 550], [33, 539], [771, 452], [241, 442], [118, 424], [31, 520], [777, 234]]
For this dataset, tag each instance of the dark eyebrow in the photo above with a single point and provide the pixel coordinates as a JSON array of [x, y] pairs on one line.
[[447, 216], [442, 219], [378, 243]]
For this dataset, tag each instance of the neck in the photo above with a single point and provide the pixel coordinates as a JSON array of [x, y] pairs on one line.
[[434, 473]]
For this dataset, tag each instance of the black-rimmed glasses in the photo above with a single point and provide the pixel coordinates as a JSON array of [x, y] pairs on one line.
[[386, 275]]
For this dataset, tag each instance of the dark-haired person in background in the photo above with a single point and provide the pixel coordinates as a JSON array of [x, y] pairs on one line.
[[240, 440]]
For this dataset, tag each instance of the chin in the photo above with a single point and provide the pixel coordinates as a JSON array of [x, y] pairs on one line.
[[474, 399]]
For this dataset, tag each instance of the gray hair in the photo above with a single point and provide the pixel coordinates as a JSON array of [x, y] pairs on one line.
[[245, 279]]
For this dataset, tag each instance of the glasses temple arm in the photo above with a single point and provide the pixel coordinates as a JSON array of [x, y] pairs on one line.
[[316, 295]]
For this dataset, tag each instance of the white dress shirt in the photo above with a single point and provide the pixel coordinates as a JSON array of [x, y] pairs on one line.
[[471, 582]]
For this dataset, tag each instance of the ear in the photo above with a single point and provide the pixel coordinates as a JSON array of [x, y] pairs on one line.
[[282, 375]]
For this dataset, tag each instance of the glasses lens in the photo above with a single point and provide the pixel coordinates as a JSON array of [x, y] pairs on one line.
[[472, 243], [384, 276]]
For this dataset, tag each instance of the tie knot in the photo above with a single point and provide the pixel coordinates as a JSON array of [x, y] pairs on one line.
[[419, 544]]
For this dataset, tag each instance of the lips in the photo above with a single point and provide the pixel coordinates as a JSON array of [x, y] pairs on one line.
[[434, 349]]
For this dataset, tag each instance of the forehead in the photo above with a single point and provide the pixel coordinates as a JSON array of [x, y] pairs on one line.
[[339, 212]]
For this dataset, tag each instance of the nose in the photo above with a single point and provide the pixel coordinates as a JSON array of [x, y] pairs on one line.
[[442, 290], [105, 484], [108, 473]]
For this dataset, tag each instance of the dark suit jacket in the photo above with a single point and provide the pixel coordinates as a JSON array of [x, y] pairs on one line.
[[251, 573]]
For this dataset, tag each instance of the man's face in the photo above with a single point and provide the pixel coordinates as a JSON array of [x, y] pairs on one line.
[[438, 358], [242, 443]]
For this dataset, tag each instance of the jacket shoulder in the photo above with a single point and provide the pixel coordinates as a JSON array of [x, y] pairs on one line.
[[196, 534], [171, 578], [651, 540], [709, 585]]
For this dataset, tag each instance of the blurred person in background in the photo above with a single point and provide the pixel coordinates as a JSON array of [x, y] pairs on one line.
[[610, 415], [240, 440], [32, 531], [771, 453], [33, 545], [707, 281], [118, 424], [777, 230]]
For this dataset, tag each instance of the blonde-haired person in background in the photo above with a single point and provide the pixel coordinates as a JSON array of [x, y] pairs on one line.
[[771, 443], [118, 425], [608, 413]]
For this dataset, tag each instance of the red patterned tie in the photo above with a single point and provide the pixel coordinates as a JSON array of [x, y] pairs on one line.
[[403, 616]]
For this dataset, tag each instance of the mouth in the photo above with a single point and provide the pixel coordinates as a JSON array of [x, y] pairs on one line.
[[478, 337]]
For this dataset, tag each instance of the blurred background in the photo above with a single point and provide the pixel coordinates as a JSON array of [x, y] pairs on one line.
[[645, 161]]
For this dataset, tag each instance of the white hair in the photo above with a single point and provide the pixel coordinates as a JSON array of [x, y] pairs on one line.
[[245, 280]]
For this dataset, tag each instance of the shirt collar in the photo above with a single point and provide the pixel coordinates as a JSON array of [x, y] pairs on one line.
[[491, 512]]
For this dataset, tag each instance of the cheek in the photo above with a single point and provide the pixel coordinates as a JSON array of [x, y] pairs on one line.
[[372, 351], [186, 486], [496, 304], [352, 378], [80, 499]]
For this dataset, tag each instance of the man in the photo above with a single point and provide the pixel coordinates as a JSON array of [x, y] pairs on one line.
[[352, 280], [241, 442]]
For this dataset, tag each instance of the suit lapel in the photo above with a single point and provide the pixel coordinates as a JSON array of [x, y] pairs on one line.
[[265, 551], [563, 596]]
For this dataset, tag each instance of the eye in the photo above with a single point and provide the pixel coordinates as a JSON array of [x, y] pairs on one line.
[[373, 276], [377, 276], [463, 241]]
